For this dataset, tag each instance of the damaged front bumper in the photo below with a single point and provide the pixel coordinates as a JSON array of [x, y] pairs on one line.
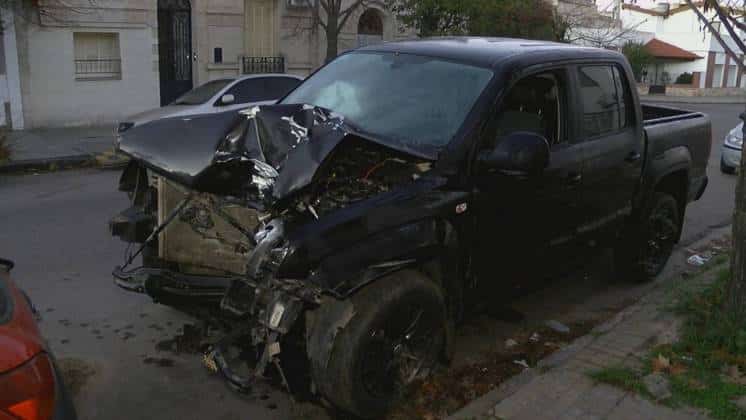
[[259, 309], [157, 282]]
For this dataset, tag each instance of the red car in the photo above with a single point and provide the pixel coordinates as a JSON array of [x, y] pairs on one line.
[[30, 386]]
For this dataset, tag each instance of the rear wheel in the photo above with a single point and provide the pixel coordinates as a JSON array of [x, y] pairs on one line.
[[645, 249], [725, 168], [396, 335]]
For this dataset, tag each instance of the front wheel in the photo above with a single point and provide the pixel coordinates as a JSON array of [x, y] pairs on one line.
[[645, 249], [396, 335]]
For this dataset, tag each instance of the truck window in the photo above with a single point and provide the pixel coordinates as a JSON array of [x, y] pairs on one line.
[[624, 98], [601, 106], [534, 104]]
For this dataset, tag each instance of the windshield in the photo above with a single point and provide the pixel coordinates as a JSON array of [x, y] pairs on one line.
[[418, 101], [202, 94]]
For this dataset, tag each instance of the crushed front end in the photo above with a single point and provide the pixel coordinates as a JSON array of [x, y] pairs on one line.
[[217, 225]]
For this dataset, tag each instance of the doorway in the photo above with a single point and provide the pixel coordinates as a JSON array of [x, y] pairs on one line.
[[174, 48], [370, 28]]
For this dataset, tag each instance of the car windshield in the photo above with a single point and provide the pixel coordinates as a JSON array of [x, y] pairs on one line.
[[419, 102], [202, 94]]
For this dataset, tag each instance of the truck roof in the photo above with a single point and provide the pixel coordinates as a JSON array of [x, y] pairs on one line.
[[493, 52]]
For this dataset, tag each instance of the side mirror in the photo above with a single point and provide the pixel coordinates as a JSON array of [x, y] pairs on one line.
[[521, 152], [227, 99]]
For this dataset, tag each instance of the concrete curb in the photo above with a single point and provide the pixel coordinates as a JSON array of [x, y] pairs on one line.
[[107, 160], [47, 164]]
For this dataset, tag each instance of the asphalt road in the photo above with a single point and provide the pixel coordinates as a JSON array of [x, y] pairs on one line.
[[54, 226]]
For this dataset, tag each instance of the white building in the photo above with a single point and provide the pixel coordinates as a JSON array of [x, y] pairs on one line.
[[97, 62], [680, 43]]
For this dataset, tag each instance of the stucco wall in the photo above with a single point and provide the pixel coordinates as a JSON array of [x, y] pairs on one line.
[[51, 94], [56, 98]]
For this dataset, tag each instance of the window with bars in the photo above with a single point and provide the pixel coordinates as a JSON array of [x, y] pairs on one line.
[[97, 56]]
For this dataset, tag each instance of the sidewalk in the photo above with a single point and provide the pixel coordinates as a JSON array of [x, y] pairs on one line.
[[694, 99], [559, 386], [54, 148]]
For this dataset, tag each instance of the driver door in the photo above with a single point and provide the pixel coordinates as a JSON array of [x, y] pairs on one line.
[[525, 223]]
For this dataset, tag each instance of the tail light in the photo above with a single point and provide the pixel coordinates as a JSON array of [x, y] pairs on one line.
[[27, 392]]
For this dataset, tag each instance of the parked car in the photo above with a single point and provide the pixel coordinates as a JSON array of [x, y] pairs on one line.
[[402, 185], [730, 158], [31, 388], [220, 95]]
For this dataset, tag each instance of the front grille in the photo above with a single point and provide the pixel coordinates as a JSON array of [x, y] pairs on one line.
[[200, 241]]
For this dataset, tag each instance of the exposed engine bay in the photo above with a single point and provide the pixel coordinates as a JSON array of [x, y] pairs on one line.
[[220, 230]]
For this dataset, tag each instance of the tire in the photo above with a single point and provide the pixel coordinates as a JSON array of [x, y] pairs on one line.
[[645, 248], [396, 334], [724, 168]]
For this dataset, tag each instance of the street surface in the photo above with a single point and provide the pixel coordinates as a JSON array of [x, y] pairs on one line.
[[54, 226]]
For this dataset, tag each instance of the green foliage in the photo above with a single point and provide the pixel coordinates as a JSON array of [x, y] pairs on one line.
[[710, 356], [624, 378], [508, 18], [684, 79], [639, 58]]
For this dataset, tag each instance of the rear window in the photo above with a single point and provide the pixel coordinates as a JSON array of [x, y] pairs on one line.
[[202, 94], [600, 105], [263, 89]]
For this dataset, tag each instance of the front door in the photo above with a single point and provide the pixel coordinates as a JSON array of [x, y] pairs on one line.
[[260, 28], [174, 48], [525, 223]]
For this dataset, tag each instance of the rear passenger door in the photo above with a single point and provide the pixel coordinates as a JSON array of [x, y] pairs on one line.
[[613, 146]]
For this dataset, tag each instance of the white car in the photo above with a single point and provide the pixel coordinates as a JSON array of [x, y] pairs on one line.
[[730, 158], [220, 95]]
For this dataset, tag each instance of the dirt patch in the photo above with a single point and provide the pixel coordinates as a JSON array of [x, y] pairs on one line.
[[447, 391], [75, 373]]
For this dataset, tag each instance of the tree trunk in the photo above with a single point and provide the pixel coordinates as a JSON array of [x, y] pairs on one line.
[[331, 47], [332, 37], [735, 302]]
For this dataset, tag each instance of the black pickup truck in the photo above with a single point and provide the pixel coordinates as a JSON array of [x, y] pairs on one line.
[[350, 227]]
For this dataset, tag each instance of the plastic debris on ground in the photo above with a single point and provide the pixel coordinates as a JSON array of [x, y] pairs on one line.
[[697, 260], [522, 363], [558, 326]]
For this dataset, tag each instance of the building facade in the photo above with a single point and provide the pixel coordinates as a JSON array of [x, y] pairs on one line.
[[97, 62], [680, 44]]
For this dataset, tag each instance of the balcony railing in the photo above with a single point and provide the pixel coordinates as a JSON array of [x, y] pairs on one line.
[[98, 68], [252, 65]]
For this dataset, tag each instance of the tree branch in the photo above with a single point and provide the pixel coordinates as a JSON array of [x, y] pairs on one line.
[[724, 21], [717, 36]]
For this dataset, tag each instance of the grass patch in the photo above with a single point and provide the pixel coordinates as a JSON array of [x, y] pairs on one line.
[[624, 378], [706, 368]]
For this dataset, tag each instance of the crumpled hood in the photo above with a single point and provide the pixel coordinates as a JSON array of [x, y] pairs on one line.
[[272, 150]]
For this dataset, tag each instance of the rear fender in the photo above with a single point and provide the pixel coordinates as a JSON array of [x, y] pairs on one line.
[[674, 160]]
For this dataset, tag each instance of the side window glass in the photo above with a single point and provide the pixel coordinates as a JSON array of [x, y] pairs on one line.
[[625, 101], [242, 91], [535, 104], [598, 93], [277, 87], [253, 90]]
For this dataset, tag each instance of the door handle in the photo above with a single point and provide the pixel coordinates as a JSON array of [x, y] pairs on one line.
[[574, 178], [633, 156]]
